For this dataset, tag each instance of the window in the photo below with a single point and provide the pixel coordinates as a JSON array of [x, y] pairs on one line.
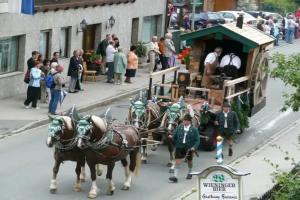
[[64, 42], [44, 45], [150, 27], [8, 54]]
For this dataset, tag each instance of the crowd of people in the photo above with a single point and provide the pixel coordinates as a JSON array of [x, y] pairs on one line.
[[46, 82], [288, 29]]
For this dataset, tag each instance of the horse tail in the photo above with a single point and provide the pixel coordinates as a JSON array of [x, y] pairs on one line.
[[138, 162]]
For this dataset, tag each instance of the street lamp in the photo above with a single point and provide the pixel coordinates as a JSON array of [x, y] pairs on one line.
[[83, 26], [111, 22]]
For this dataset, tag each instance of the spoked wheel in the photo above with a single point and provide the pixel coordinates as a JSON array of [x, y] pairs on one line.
[[259, 79]]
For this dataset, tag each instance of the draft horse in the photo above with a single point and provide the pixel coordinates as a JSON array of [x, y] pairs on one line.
[[144, 115], [61, 135], [106, 144]]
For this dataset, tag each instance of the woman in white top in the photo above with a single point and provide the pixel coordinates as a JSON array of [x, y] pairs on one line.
[[34, 87], [153, 54]]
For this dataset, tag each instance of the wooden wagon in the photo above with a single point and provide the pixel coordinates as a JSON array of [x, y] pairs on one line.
[[250, 44]]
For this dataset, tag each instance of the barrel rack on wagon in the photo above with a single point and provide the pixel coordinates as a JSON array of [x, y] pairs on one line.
[[250, 44]]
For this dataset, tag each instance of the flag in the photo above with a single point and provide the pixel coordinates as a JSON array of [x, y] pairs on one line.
[[18, 6], [27, 7]]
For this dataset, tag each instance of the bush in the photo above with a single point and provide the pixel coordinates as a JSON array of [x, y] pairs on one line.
[[141, 49]]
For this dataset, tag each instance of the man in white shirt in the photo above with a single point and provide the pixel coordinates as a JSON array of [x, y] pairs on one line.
[[110, 52], [210, 64], [230, 64]]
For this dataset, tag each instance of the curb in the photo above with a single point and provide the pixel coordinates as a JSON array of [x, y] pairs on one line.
[[81, 109], [252, 151]]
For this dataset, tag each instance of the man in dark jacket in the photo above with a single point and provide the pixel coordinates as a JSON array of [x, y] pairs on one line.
[[186, 140], [31, 61], [55, 58], [101, 50], [228, 123]]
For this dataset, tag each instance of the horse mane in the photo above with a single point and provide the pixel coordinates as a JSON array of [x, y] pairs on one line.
[[99, 123], [68, 122]]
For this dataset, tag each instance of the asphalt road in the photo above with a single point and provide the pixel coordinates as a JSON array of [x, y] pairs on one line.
[[26, 162]]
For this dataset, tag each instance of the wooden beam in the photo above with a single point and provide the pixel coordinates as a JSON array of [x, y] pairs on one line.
[[237, 94], [198, 89], [236, 81], [172, 69]]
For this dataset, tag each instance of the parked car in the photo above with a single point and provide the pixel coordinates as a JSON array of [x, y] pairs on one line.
[[207, 19], [231, 16]]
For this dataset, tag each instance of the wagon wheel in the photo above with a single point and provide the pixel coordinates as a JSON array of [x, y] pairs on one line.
[[259, 78]]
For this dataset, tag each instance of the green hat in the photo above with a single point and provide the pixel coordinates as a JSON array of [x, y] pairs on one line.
[[187, 117]]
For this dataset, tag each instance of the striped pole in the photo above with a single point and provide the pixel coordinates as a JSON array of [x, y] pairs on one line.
[[219, 150]]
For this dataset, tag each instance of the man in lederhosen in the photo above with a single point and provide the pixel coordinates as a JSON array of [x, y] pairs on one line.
[[228, 123], [186, 140]]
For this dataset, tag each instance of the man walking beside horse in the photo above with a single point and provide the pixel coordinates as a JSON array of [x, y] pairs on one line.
[[186, 140]]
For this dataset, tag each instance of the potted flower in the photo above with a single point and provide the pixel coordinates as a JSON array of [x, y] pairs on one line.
[[141, 51], [93, 61], [184, 56]]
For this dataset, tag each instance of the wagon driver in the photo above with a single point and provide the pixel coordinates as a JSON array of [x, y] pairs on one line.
[[211, 62], [186, 140], [228, 124]]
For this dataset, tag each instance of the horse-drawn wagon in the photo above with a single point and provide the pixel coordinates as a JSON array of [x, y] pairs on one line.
[[246, 92]]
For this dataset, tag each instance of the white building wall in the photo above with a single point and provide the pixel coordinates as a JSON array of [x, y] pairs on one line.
[[30, 26]]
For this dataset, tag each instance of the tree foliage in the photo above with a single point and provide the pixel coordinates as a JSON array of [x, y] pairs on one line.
[[282, 6], [288, 70]]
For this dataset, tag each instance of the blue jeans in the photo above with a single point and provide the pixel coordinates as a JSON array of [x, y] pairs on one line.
[[55, 98], [290, 35], [110, 72]]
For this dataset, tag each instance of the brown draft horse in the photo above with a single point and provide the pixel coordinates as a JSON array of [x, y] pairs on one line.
[[144, 115], [106, 144], [61, 135]]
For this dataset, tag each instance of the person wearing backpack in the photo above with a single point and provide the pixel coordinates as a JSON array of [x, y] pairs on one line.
[[58, 82]]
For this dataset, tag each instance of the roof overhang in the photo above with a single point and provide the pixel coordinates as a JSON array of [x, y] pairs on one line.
[[248, 35]]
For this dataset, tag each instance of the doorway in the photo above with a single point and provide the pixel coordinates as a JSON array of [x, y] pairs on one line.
[[135, 31], [91, 37]]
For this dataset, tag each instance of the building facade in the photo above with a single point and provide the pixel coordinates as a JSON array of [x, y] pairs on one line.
[[56, 27]]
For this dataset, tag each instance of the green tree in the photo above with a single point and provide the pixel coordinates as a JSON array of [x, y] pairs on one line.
[[282, 6], [288, 70]]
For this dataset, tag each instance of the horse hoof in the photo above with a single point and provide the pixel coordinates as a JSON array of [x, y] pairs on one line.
[[53, 190], [169, 165], [171, 171], [92, 196], [110, 193], [99, 173], [125, 188], [144, 161], [77, 189]]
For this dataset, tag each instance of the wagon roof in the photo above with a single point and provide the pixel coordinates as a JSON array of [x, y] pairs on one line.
[[248, 35]]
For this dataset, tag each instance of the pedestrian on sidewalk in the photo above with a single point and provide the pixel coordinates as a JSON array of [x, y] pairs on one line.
[[228, 124], [110, 52], [78, 85], [30, 65], [162, 57], [59, 81], [34, 86], [101, 50], [120, 65], [132, 64], [116, 41], [186, 140], [290, 29], [55, 57], [73, 71], [45, 69], [51, 71], [153, 54], [170, 50]]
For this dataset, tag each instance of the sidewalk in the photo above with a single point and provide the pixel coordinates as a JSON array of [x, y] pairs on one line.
[[15, 118], [260, 180]]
